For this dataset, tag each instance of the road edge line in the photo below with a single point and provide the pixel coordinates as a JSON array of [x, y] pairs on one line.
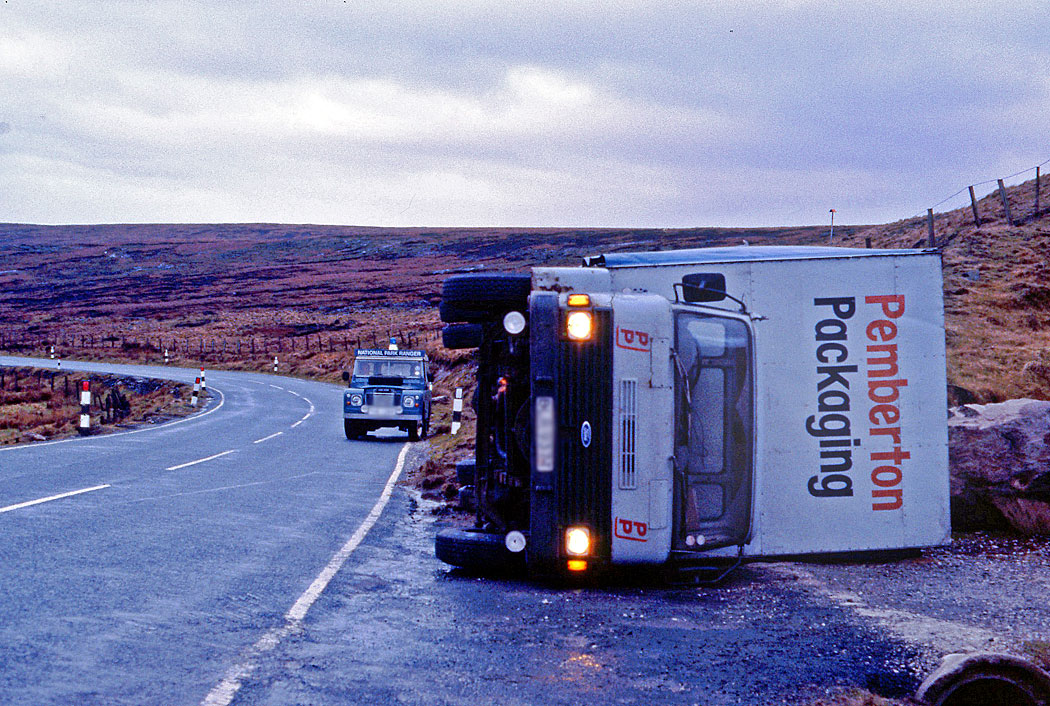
[[224, 692]]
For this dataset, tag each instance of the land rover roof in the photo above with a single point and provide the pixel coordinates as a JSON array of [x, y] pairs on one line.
[[737, 253], [381, 353]]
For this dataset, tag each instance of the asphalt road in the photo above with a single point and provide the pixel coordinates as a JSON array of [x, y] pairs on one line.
[[200, 585], [190, 543]]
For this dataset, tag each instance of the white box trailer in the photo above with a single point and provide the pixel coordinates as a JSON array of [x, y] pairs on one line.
[[742, 401]]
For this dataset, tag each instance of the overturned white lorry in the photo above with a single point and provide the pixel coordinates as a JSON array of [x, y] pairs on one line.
[[670, 408]]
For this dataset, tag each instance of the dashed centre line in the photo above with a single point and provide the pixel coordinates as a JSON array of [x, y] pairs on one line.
[[267, 438], [71, 493], [199, 460]]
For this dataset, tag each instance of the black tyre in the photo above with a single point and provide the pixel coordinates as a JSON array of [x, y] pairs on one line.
[[476, 551], [461, 335], [477, 297], [352, 429], [413, 431]]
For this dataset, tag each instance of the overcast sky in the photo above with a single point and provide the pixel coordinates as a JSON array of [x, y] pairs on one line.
[[513, 112]]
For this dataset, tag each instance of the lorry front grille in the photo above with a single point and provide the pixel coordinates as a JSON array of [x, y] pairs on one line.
[[584, 478], [628, 412]]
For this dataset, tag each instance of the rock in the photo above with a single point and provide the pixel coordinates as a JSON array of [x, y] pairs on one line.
[[1000, 466]]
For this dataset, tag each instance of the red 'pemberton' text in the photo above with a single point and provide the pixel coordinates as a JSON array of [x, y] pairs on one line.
[[884, 391]]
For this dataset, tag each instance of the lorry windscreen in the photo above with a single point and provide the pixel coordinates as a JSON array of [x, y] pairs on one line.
[[713, 431]]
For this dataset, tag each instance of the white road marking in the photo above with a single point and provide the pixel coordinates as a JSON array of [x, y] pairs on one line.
[[191, 418], [308, 414], [71, 493], [199, 460], [277, 387], [223, 692], [267, 438]]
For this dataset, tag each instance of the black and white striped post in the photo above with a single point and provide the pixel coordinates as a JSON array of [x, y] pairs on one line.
[[196, 392], [166, 358], [52, 352], [457, 410], [275, 364], [85, 409], [204, 385]]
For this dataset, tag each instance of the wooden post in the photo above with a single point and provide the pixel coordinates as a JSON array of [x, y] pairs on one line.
[[1037, 191], [1006, 202], [932, 240], [867, 242], [973, 205]]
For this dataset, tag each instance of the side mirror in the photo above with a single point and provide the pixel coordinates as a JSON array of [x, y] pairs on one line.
[[346, 376], [704, 287]]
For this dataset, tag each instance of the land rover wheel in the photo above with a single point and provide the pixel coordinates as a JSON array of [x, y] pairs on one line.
[[352, 429], [416, 431], [475, 550], [477, 297], [461, 335]]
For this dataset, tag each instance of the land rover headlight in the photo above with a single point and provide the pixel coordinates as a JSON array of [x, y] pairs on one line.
[[579, 325], [408, 401], [577, 541], [356, 400]]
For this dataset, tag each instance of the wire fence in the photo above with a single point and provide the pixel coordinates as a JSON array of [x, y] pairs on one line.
[[203, 347], [1014, 214]]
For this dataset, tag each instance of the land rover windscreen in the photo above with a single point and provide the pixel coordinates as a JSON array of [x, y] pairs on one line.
[[387, 389]]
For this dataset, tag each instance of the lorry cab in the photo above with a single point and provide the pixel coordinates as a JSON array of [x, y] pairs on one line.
[[680, 407]]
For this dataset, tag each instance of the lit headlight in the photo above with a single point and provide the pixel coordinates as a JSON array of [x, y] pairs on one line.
[[577, 541], [579, 325], [408, 401], [356, 400]]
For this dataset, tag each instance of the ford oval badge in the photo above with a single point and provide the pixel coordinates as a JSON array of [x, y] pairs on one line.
[[585, 434]]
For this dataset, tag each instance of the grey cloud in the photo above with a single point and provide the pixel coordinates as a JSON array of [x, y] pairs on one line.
[[909, 100]]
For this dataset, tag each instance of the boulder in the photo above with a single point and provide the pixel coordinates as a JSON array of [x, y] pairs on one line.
[[1000, 466]]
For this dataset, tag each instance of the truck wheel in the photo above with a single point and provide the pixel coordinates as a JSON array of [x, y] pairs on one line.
[[351, 428], [476, 297], [461, 335], [414, 431], [476, 551]]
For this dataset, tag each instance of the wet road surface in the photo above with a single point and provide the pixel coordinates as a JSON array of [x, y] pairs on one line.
[[400, 627], [160, 587]]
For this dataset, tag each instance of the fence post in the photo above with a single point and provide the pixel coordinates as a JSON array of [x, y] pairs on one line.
[[973, 205], [1006, 202], [1037, 191], [932, 240]]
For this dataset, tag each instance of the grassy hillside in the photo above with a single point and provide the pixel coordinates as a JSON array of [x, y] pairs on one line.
[[996, 293]]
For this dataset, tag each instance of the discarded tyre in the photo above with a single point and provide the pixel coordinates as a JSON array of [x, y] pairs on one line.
[[477, 551], [984, 679], [477, 297], [461, 335]]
